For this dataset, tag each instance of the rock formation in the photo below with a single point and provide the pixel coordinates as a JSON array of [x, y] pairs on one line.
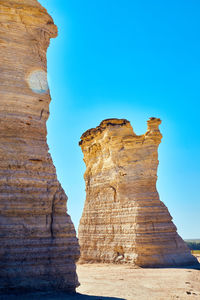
[[123, 219], [38, 244]]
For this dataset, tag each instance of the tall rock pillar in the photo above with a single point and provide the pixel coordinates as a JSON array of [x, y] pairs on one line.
[[38, 244], [124, 220]]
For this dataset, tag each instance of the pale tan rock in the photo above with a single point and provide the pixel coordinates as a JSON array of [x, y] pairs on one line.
[[38, 244], [124, 220]]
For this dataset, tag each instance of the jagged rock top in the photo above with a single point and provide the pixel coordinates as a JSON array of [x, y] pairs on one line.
[[27, 12], [23, 4], [123, 220], [90, 134]]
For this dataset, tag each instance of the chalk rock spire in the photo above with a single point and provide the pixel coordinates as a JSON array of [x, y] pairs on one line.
[[124, 220], [38, 244]]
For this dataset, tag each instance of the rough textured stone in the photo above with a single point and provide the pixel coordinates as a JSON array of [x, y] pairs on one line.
[[38, 244], [123, 218]]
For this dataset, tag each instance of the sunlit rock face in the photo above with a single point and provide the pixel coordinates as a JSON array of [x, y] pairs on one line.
[[124, 220], [38, 244]]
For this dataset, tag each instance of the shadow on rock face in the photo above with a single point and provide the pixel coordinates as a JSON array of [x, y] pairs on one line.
[[56, 296]]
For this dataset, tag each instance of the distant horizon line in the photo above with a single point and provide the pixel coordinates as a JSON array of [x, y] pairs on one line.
[[192, 239]]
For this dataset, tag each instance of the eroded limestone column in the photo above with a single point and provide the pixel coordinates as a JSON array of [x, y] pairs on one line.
[[124, 220], [38, 244]]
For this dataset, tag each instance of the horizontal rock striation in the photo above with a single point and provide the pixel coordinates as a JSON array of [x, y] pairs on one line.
[[38, 244], [124, 220]]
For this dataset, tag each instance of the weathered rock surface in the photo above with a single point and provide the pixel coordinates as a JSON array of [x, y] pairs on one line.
[[123, 218], [38, 244]]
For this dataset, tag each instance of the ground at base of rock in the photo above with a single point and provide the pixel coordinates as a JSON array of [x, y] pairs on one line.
[[127, 282]]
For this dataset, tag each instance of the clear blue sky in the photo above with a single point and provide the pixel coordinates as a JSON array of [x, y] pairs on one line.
[[130, 59]]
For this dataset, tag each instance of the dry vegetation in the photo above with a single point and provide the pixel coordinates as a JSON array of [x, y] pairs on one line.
[[195, 252]]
